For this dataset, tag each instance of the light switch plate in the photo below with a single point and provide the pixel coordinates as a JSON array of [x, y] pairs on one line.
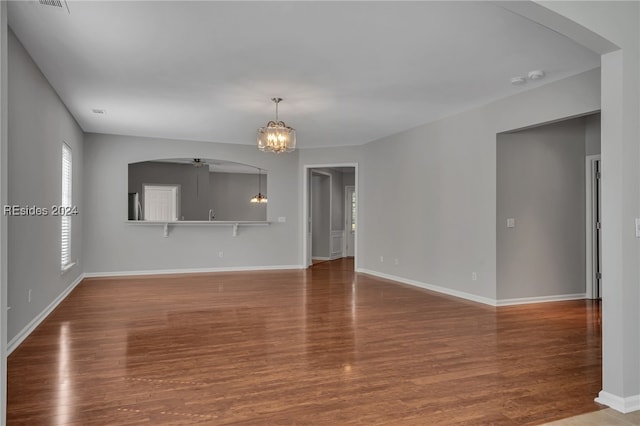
[[282, 219], [638, 227], [511, 223]]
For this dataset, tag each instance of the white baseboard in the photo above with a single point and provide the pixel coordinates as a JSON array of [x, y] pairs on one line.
[[26, 331], [623, 405], [189, 271], [474, 297], [320, 258], [443, 290], [540, 299]]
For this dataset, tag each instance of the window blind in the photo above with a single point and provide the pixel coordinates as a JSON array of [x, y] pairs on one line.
[[66, 200]]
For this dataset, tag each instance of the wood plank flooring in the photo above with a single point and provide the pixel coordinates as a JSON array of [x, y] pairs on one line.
[[321, 346]]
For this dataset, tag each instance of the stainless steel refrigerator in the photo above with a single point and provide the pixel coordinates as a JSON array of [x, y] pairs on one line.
[[135, 209]]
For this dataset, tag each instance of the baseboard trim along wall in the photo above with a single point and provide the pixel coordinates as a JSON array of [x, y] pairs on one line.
[[25, 332], [189, 271], [332, 257], [438, 289], [474, 297], [623, 405], [540, 299]]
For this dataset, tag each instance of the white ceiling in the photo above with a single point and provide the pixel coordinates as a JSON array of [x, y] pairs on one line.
[[349, 72]]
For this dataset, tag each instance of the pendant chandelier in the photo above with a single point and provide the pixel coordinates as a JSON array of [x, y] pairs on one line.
[[259, 198], [276, 136]]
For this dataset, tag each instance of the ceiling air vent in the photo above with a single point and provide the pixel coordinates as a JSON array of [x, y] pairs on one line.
[[61, 4]]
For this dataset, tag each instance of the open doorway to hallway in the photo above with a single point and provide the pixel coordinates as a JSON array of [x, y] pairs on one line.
[[330, 213], [547, 242]]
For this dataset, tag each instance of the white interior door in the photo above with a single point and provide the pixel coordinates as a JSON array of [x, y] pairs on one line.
[[350, 219], [161, 202]]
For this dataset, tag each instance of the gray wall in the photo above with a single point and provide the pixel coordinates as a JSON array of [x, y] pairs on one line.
[[113, 245], [349, 178], [38, 124], [428, 195], [541, 184], [592, 134], [337, 198], [231, 194]]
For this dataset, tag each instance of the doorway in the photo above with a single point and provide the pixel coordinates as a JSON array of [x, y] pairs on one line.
[[329, 226], [540, 206]]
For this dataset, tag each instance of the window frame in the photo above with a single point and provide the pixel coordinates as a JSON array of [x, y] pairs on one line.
[[66, 200]]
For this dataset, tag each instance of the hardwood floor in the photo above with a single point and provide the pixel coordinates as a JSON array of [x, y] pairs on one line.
[[321, 346]]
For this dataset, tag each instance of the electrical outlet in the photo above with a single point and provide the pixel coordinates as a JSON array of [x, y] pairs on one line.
[[381, 259], [29, 296], [282, 219], [221, 254], [396, 262], [511, 222], [474, 276]]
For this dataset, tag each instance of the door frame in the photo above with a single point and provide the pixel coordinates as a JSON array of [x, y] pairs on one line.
[[590, 272], [304, 262], [347, 212]]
